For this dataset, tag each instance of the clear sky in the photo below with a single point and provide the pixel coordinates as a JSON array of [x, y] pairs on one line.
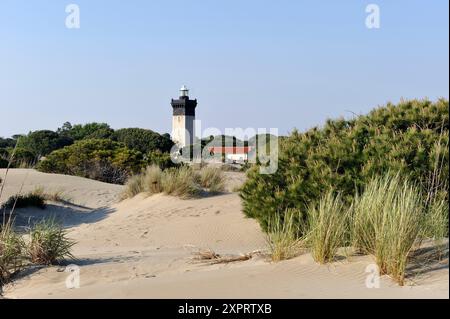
[[284, 64]]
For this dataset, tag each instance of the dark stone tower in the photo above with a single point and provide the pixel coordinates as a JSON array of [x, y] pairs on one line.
[[183, 118]]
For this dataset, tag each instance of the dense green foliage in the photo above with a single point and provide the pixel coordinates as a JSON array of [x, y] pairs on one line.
[[86, 131], [143, 140], [100, 159], [7, 142], [28, 150], [411, 137], [43, 142], [3, 162]]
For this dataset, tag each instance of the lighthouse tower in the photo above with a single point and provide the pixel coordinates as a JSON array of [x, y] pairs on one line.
[[183, 118]]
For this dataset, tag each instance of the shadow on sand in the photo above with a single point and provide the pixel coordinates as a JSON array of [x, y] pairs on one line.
[[67, 214], [428, 259]]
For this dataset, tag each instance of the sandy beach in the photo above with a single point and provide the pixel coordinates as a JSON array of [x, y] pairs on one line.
[[143, 248]]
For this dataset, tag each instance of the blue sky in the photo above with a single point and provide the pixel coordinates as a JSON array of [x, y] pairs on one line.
[[283, 64]]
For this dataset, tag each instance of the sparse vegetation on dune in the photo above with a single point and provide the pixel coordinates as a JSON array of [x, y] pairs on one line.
[[181, 181], [46, 244]]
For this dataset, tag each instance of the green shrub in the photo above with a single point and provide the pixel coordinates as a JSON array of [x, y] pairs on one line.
[[48, 243], [35, 198], [328, 227], [99, 159], [345, 155], [387, 220]]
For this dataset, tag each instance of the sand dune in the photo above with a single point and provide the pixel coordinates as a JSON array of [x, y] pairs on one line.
[[143, 248]]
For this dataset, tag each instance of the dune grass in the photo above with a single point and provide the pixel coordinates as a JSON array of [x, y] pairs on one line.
[[212, 179], [133, 186], [180, 182], [184, 182], [282, 237], [387, 220], [152, 180], [48, 243], [327, 227], [436, 220], [12, 257]]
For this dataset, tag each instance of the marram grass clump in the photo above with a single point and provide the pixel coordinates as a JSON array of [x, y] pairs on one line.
[[184, 182], [180, 182], [387, 221], [212, 179], [282, 236], [328, 227], [12, 256], [48, 243]]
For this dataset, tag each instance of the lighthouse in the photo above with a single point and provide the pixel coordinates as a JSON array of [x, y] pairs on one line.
[[183, 119]]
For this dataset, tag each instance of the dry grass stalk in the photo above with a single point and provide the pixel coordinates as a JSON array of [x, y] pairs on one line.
[[210, 257]]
